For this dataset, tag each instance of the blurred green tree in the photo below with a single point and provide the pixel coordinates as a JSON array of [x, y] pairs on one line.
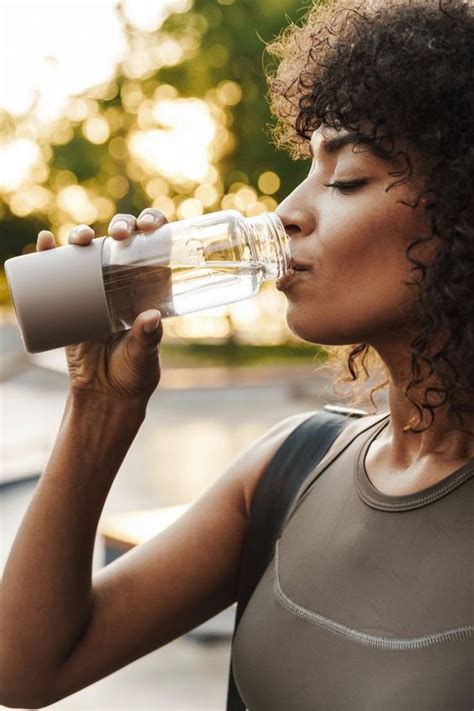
[[232, 47], [227, 40]]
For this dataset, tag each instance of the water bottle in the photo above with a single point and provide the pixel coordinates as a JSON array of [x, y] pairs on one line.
[[80, 293]]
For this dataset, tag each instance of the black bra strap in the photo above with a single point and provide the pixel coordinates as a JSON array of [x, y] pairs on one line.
[[297, 457]]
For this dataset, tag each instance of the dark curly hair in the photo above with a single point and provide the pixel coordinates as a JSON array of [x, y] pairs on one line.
[[388, 69]]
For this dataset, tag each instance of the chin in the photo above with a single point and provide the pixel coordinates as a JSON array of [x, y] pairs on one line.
[[307, 328], [331, 327]]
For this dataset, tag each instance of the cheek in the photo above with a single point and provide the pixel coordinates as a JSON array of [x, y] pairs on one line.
[[357, 287], [360, 244]]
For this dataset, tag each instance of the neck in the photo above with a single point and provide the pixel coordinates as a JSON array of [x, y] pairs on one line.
[[445, 438]]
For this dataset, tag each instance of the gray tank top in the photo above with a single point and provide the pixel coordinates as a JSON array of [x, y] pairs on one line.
[[367, 603]]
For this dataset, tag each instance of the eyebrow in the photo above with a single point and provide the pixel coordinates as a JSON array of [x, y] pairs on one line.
[[333, 145]]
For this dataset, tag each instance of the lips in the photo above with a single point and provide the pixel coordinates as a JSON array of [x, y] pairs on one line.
[[295, 268], [289, 277]]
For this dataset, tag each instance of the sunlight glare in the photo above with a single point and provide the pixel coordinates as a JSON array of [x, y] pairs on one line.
[[149, 15], [75, 54], [75, 201], [180, 150], [18, 159]]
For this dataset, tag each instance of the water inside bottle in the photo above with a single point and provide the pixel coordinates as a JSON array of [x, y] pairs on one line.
[[176, 290]]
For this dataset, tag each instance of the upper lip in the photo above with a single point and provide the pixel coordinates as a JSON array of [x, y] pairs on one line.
[[298, 265]]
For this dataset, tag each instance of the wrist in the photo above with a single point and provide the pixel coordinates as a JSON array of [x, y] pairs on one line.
[[101, 428], [94, 436], [97, 405]]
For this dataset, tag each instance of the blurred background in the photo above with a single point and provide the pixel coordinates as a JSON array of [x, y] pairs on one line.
[[115, 106], [112, 106]]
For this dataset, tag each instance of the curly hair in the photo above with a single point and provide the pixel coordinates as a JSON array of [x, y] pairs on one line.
[[387, 69]]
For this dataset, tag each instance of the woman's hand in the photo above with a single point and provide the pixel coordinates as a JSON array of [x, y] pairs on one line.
[[125, 365]]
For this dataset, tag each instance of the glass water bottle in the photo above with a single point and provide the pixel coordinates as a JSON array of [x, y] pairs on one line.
[[77, 293]]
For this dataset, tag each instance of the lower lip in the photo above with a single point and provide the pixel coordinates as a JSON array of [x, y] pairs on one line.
[[289, 278]]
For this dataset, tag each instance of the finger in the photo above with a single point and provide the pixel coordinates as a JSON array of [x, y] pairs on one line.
[[151, 218], [150, 321], [81, 234], [146, 332], [122, 226], [45, 241]]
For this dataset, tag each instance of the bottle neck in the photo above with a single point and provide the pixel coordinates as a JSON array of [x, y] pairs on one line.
[[269, 244]]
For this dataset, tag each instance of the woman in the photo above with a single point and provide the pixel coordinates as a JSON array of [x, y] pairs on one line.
[[366, 604]]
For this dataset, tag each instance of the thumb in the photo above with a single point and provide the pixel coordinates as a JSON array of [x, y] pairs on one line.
[[147, 328]]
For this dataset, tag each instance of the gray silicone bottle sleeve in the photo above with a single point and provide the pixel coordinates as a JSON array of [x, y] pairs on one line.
[[59, 296]]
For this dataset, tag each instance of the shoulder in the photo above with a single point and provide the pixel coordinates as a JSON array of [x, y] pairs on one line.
[[357, 425], [253, 461]]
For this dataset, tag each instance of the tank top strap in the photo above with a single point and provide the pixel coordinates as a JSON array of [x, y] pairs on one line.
[[334, 452]]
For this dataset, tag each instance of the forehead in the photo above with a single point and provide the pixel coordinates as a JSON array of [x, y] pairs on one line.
[[324, 134], [328, 141]]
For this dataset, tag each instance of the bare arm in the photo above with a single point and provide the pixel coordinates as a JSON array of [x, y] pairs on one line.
[[46, 593], [63, 630]]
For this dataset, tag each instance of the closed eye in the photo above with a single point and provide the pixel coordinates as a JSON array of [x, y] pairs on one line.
[[346, 185]]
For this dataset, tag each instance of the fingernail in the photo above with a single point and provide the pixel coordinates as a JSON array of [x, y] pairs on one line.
[[147, 219], [120, 225], [82, 229], [152, 325]]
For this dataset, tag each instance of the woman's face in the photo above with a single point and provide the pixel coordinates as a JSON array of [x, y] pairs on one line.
[[354, 237]]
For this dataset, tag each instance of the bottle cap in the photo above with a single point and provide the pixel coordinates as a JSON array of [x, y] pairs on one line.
[[59, 296]]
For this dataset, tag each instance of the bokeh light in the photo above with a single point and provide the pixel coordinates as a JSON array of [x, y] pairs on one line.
[[76, 202], [96, 129], [103, 117], [18, 158], [179, 150], [149, 15], [44, 70], [117, 186], [269, 182]]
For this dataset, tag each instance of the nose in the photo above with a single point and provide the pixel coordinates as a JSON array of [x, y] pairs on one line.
[[297, 220]]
